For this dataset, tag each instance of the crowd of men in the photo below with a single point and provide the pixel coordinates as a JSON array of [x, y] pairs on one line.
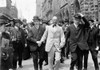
[[50, 42]]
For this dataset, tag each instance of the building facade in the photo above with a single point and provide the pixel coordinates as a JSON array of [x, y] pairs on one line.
[[9, 9], [67, 8]]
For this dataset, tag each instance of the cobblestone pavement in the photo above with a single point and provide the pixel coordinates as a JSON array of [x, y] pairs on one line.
[[28, 65]]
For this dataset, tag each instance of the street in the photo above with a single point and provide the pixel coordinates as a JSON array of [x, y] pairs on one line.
[[28, 65]]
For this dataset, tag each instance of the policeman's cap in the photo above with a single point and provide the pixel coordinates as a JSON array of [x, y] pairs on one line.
[[77, 16]]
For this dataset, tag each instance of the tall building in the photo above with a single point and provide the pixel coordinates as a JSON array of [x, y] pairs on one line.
[[90, 8], [9, 9], [47, 8]]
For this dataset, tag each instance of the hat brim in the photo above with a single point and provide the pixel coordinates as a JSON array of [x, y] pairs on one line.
[[36, 19]]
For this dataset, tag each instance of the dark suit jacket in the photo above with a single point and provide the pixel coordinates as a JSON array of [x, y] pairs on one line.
[[35, 35], [93, 39], [14, 32], [22, 36], [78, 36]]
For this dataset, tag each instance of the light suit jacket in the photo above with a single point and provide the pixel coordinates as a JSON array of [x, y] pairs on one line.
[[54, 36]]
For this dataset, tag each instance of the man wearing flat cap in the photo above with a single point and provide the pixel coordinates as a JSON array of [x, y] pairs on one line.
[[35, 35], [18, 41], [77, 35]]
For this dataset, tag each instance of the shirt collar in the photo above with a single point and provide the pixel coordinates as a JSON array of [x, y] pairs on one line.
[[75, 25], [92, 26]]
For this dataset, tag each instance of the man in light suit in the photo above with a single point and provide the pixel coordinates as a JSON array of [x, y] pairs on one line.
[[55, 40]]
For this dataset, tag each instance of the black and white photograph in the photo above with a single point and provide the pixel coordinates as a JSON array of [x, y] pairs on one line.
[[49, 34]]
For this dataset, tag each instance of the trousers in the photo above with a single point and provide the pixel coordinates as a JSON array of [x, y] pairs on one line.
[[54, 53], [17, 55], [76, 58], [39, 56]]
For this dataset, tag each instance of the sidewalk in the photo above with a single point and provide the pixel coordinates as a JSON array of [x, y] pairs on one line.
[[28, 65]]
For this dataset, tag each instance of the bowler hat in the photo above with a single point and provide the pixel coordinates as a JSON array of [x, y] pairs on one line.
[[36, 18]]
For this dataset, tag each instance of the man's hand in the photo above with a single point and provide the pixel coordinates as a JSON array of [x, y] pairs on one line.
[[25, 45], [39, 43], [97, 48]]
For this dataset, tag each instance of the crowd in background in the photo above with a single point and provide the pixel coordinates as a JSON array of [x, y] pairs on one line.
[[20, 40]]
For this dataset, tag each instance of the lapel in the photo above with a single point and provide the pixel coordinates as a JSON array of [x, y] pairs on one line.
[[15, 32], [39, 29], [35, 30], [18, 33], [78, 27], [73, 27]]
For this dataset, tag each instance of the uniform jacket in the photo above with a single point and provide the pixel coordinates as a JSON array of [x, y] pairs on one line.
[[54, 36], [78, 36]]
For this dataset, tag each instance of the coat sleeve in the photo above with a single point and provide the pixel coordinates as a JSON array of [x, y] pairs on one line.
[[44, 37], [62, 43], [31, 36], [67, 33], [23, 36], [87, 24], [97, 34]]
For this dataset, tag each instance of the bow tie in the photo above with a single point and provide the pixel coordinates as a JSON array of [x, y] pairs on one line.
[[54, 25]]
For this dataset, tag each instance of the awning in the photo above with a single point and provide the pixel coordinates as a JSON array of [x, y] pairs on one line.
[[4, 18]]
